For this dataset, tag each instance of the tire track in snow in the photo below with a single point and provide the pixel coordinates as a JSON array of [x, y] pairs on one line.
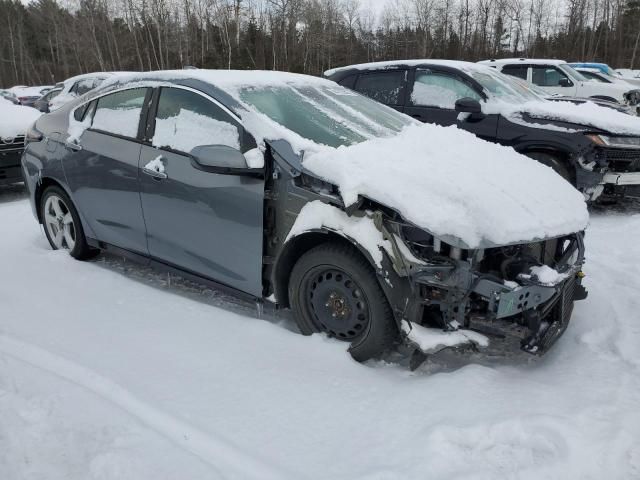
[[218, 452]]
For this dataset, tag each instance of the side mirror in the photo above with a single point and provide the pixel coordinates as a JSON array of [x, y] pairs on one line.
[[565, 82], [469, 105], [219, 157]]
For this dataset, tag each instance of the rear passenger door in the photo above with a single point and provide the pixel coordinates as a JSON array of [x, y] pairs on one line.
[[198, 219], [388, 87], [101, 166]]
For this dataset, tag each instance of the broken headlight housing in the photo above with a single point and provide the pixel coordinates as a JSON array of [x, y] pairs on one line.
[[615, 141]]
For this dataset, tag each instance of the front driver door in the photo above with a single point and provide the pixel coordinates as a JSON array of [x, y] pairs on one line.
[[433, 98], [206, 223], [101, 166], [550, 77]]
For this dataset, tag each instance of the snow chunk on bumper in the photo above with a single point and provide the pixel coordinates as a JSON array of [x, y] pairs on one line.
[[431, 340], [454, 185]]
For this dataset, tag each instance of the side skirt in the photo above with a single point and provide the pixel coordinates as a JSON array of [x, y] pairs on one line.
[[169, 268]]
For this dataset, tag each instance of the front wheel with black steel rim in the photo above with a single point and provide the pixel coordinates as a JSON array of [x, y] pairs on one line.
[[333, 289], [62, 224]]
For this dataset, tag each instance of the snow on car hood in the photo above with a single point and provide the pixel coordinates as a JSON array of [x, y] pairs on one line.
[[15, 120], [452, 184], [588, 114]]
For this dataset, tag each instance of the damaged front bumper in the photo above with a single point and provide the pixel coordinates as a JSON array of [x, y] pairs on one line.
[[456, 292]]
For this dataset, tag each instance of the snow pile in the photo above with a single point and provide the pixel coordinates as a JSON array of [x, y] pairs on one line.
[[587, 113], [546, 275], [447, 181], [121, 121], [187, 130], [315, 215], [156, 165], [433, 95], [28, 91], [432, 340], [15, 120], [137, 380], [254, 158], [76, 128]]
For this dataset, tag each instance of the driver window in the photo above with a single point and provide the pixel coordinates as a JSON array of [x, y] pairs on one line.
[[547, 76], [186, 120], [435, 89]]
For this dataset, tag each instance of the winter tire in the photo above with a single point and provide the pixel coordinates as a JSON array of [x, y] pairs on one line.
[[62, 224], [333, 289]]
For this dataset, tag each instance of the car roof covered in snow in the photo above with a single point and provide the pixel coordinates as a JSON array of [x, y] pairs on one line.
[[528, 61], [456, 64]]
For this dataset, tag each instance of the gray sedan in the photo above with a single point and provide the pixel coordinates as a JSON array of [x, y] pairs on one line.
[[202, 173]]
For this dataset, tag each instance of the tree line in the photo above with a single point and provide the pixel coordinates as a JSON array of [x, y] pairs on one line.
[[46, 41]]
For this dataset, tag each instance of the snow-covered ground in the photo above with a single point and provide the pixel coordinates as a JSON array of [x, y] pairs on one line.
[[107, 371]]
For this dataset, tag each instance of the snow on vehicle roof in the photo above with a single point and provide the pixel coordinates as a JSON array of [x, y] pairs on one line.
[[453, 184], [459, 64], [534, 61], [82, 76], [29, 91], [225, 78], [15, 120]]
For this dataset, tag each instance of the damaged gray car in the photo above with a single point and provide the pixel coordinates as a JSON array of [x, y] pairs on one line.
[[374, 229]]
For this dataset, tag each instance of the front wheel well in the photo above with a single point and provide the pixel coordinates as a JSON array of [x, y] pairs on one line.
[[40, 188], [558, 155], [293, 250]]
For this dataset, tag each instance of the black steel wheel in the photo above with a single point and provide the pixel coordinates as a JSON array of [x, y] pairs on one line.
[[336, 302], [333, 289]]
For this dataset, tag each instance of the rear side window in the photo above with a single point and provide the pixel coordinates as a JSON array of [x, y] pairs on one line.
[[119, 113], [442, 90], [186, 120], [519, 71], [385, 87]]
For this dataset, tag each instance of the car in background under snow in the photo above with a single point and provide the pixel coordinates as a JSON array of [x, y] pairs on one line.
[[77, 86], [596, 75], [374, 228], [15, 120], [596, 149], [42, 104], [28, 95], [9, 96], [557, 76]]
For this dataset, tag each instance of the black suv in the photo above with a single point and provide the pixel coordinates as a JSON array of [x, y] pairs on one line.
[[475, 97]]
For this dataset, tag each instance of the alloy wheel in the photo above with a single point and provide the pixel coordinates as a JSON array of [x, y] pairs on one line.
[[59, 223]]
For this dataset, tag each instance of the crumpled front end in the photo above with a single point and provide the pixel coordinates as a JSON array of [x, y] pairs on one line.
[[524, 291]]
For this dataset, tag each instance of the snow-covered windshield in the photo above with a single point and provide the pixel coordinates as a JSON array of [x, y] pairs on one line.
[[326, 115], [503, 87]]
